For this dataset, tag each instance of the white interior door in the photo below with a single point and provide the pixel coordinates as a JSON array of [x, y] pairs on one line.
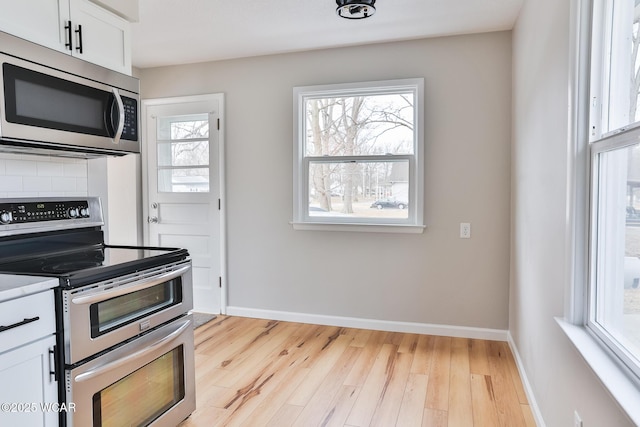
[[183, 187]]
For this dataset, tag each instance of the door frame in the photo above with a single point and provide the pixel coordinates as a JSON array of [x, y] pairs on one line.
[[221, 176]]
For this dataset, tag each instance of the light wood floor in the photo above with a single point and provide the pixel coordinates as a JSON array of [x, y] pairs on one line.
[[254, 373]]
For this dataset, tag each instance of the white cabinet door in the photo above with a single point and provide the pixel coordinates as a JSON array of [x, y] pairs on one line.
[[104, 38], [77, 27], [29, 392], [39, 21]]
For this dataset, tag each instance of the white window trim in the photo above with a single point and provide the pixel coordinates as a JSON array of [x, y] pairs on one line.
[[616, 377], [301, 219]]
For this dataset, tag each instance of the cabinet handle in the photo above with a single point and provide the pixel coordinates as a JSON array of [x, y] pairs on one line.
[[15, 325], [52, 364], [69, 43], [79, 33]]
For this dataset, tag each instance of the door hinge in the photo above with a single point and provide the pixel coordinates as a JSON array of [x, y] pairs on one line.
[[218, 124], [219, 281], [219, 204]]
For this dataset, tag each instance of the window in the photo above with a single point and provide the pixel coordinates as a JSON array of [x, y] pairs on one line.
[[183, 154], [358, 154], [613, 310]]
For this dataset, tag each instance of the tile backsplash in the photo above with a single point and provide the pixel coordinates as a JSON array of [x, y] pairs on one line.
[[24, 175]]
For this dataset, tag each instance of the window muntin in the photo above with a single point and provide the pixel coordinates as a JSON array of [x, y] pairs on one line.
[[183, 154], [357, 153], [613, 309]]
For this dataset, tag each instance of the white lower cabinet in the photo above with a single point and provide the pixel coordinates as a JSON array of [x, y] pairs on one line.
[[28, 389], [29, 396]]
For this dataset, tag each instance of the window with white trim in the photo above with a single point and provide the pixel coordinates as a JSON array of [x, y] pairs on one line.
[[613, 306], [358, 154]]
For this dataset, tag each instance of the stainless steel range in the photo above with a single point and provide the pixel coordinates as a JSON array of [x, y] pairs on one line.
[[124, 335]]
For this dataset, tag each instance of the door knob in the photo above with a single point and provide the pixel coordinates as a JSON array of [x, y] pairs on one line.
[[152, 220], [154, 205]]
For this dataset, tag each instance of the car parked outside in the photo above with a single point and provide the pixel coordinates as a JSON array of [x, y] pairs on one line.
[[389, 203]]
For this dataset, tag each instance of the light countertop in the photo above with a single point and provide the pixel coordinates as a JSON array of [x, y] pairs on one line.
[[15, 286]]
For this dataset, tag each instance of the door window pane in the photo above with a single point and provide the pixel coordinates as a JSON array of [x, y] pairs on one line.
[[183, 180], [183, 127], [183, 154]]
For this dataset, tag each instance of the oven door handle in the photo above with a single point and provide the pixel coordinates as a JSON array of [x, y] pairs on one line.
[[126, 289], [137, 355]]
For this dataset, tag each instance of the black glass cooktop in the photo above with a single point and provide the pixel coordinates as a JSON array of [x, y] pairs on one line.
[[92, 265], [62, 237]]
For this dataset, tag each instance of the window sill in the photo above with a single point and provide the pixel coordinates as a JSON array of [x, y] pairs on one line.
[[369, 228], [612, 375]]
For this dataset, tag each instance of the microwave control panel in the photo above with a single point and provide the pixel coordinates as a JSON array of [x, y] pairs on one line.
[[130, 130]]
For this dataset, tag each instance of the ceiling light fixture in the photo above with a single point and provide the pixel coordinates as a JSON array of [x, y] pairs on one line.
[[355, 9]]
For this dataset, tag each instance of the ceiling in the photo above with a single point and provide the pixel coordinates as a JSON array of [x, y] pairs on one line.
[[186, 31]]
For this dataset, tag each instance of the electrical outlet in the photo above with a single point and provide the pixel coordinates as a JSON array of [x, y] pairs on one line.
[[465, 230], [577, 421]]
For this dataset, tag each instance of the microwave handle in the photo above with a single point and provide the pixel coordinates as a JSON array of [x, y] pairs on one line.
[[120, 127]]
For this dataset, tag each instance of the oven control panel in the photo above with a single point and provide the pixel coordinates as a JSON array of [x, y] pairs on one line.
[[29, 213], [12, 213]]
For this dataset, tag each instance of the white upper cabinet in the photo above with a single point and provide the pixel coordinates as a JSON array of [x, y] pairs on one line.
[[100, 37], [76, 27], [40, 21]]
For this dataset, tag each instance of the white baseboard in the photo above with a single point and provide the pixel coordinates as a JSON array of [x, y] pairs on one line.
[[379, 325], [533, 404]]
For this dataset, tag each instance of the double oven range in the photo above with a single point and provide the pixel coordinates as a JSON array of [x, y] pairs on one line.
[[124, 353]]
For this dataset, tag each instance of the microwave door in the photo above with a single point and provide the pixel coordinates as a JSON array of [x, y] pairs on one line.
[[35, 99]]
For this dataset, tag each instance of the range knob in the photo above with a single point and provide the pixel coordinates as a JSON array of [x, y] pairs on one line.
[[84, 212], [73, 212], [5, 217]]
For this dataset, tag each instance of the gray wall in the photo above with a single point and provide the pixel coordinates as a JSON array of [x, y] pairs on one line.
[[560, 379], [434, 277]]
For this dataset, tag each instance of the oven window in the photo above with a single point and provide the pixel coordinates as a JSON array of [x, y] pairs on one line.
[[144, 395], [115, 312]]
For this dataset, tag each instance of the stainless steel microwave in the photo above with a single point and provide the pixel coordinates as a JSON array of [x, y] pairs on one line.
[[52, 103]]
